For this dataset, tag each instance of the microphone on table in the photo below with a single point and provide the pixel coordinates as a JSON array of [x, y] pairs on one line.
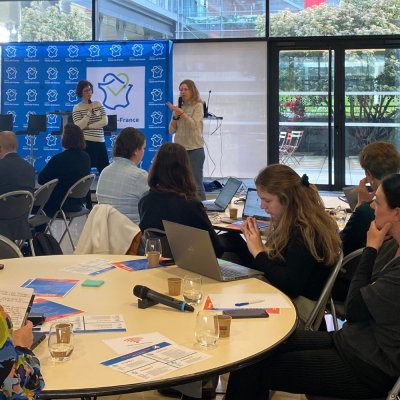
[[144, 293], [180, 101], [90, 102]]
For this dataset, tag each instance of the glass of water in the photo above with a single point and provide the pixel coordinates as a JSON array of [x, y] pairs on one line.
[[61, 341], [340, 215], [192, 290], [207, 328]]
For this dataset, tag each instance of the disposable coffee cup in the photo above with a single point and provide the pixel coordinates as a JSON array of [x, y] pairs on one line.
[[174, 286], [154, 258], [233, 212], [224, 322]]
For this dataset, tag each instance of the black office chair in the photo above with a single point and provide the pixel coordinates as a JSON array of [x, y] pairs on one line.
[[36, 124], [6, 122], [111, 127]]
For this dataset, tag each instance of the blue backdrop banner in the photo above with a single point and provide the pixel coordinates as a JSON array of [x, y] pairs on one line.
[[133, 80]]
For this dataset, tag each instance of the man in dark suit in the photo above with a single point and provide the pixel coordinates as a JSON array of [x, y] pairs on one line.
[[15, 172]]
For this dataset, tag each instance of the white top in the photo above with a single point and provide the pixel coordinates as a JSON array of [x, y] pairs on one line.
[[96, 120]]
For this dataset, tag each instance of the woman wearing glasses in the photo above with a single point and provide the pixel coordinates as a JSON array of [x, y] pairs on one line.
[[91, 117]]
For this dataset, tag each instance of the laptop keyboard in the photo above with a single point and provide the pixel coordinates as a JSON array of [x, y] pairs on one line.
[[213, 207], [229, 273]]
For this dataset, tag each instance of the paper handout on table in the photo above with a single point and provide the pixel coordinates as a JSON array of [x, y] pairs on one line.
[[134, 265], [128, 344], [15, 301], [50, 287], [91, 267], [154, 361], [52, 310], [91, 323], [220, 302]]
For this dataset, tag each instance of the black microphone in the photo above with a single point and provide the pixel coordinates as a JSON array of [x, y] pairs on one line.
[[143, 292], [180, 101], [90, 102], [206, 113]]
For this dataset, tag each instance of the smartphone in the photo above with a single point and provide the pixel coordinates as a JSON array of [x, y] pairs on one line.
[[247, 313], [38, 338], [167, 261]]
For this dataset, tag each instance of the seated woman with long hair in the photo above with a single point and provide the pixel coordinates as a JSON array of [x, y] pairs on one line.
[[173, 197], [303, 241], [362, 360]]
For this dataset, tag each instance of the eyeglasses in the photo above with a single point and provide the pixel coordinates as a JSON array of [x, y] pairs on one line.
[[87, 90]]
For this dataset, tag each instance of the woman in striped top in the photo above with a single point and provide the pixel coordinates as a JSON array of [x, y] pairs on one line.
[[91, 117]]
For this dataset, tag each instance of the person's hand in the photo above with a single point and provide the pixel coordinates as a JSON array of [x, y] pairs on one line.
[[86, 127], [90, 108], [253, 236], [178, 111], [376, 237], [24, 337], [363, 194]]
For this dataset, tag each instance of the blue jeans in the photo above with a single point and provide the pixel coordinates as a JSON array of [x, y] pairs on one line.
[[196, 158]]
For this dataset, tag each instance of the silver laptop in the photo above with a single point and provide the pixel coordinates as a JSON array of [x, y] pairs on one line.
[[252, 208], [192, 249], [225, 197]]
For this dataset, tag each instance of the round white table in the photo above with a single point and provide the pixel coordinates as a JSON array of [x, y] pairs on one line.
[[83, 375]]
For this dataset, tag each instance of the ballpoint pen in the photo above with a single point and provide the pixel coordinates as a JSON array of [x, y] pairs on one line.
[[249, 302]]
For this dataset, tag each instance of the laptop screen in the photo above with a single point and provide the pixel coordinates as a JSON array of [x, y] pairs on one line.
[[252, 207], [229, 190]]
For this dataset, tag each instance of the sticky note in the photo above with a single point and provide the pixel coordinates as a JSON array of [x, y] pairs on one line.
[[91, 283]]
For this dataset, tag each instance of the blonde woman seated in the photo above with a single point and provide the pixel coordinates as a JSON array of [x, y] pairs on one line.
[[303, 242]]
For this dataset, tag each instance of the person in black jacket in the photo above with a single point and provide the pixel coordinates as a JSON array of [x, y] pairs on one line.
[[362, 360], [68, 167], [303, 241]]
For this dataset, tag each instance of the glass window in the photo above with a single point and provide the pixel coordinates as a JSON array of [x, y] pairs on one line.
[[45, 21], [333, 17]]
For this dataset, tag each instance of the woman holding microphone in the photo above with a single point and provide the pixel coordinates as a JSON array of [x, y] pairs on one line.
[[91, 117], [187, 125]]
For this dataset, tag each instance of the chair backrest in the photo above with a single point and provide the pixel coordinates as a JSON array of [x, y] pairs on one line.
[[6, 122], [111, 125], [350, 264], [315, 318], [158, 234], [79, 189], [42, 195], [282, 138], [8, 249], [37, 123], [15, 204], [296, 138]]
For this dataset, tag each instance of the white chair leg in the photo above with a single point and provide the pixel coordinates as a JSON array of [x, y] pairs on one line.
[[32, 249], [67, 230]]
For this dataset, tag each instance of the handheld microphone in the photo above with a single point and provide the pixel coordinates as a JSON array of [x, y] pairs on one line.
[[90, 102], [206, 113], [143, 292], [180, 101]]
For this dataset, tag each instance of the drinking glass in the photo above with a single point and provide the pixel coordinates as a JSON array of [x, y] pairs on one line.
[[340, 215], [153, 251], [61, 341], [192, 290], [207, 328]]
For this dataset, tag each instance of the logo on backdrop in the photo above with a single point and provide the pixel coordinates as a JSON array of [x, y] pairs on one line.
[[52, 51], [28, 114], [51, 118], [157, 72], [51, 140], [47, 159], [11, 95], [116, 50], [158, 49], [156, 94], [11, 73], [73, 73], [52, 95], [73, 50], [52, 73], [137, 50], [112, 139], [72, 96], [31, 93], [31, 71], [156, 116], [118, 88], [13, 113], [31, 50], [110, 160], [11, 51], [94, 50], [28, 140], [157, 140]]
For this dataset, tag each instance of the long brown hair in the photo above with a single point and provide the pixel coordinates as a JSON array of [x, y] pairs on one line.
[[195, 97], [304, 210], [171, 171]]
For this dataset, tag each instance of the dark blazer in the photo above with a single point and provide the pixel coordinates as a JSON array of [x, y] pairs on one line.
[[68, 167], [16, 174]]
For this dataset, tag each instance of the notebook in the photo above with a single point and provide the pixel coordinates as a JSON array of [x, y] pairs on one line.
[[192, 249], [225, 197]]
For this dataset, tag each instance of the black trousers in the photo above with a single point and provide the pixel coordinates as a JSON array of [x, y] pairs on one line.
[[308, 363], [99, 159]]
